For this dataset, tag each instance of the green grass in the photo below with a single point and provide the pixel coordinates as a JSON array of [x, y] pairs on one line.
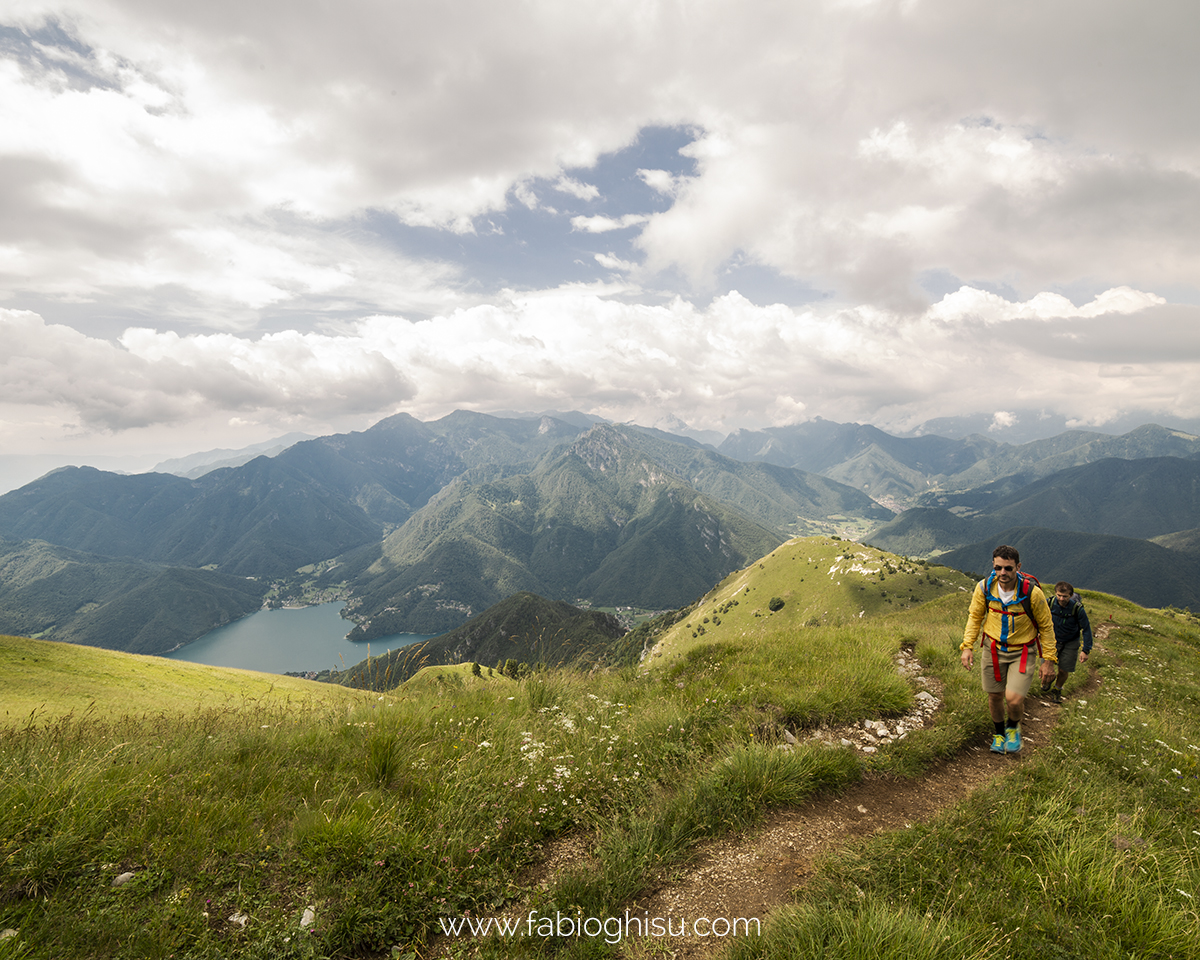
[[1091, 849], [48, 681], [425, 804], [434, 800]]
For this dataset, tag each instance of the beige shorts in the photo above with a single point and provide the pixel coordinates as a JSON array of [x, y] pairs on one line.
[[1011, 675]]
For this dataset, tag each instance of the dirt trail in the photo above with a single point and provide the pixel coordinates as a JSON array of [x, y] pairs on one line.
[[752, 874]]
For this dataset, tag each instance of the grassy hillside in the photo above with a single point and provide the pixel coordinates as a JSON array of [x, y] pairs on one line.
[[821, 581], [1185, 541], [44, 682], [258, 830]]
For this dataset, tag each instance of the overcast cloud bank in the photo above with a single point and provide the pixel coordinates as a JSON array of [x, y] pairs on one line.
[[226, 221]]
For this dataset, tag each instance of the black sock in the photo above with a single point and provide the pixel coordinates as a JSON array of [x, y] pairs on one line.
[[1010, 724], [999, 727]]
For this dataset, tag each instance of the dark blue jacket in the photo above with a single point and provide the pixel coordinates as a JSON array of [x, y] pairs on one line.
[[1070, 621]]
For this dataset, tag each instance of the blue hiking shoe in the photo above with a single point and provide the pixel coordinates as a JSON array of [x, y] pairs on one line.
[[1012, 740], [997, 743]]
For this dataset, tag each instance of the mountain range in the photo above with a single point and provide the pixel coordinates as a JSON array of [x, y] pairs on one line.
[[423, 525], [930, 470], [1146, 498]]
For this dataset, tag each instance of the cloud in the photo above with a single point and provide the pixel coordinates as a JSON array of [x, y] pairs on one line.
[[602, 224], [161, 378], [849, 145], [731, 364], [582, 191], [990, 308], [289, 182], [610, 262], [663, 181]]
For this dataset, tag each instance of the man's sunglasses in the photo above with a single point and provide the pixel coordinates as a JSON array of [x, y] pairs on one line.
[[1002, 569]]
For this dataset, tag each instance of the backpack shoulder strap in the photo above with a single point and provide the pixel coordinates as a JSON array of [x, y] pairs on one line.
[[1025, 584]]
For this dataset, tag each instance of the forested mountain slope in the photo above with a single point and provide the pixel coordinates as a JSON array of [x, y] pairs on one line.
[[56, 593], [598, 520]]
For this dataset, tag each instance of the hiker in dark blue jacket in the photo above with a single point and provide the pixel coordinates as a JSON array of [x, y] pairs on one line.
[[1071, 629]]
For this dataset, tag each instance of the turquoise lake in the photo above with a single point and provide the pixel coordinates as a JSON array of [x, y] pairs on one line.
[[288, 641]]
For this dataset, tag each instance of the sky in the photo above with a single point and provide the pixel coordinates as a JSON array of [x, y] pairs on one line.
[[224, 222]]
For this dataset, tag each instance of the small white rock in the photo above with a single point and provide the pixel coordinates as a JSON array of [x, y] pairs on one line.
[[309, 918], [241, 919], [122, 879]]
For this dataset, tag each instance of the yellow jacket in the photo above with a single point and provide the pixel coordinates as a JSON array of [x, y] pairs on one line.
[[1007, 624]]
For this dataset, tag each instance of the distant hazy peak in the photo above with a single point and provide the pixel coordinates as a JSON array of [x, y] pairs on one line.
[[197, 464]]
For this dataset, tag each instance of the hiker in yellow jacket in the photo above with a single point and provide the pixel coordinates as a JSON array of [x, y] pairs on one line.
[[1011, 612]]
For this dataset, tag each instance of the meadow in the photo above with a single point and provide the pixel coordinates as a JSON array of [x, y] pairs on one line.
[[359, 826]]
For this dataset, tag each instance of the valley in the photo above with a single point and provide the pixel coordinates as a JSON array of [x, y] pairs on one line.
[[419, 527]]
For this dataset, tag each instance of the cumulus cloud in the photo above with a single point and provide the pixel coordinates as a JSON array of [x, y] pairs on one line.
[[602, 224], [611, 262], [160, 378], [991, 308], [583, 191], [661, 180], [730, 364]]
